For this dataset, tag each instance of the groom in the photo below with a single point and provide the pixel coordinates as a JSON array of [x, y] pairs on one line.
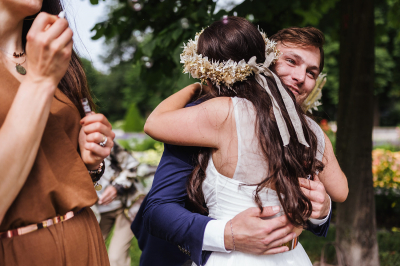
[[178, 236]]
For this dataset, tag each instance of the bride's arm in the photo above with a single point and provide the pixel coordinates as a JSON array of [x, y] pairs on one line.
[[332, 177], [202, 125]]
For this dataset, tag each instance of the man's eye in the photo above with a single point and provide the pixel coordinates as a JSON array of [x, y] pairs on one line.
[[290, 61], [312, 74]]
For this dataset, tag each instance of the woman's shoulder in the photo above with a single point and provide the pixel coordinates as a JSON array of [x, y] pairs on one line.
[[218, 103]]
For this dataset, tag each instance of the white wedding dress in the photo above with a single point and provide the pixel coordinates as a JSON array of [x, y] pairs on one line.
[[226, 197]]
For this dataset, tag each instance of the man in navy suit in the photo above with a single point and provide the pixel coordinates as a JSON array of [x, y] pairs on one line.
[[170, 234]]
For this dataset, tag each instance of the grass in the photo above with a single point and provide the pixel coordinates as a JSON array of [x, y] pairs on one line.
[[134, 250]]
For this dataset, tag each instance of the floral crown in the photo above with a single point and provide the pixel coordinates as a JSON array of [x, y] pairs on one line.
[[225, 72]]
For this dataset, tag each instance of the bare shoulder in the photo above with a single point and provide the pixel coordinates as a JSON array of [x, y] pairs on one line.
[[218, 109], [218, 102]]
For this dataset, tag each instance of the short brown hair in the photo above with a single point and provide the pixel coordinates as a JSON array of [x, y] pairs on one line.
[[307, 36]]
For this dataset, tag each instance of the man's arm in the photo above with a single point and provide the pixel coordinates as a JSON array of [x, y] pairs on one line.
[[165, 215]]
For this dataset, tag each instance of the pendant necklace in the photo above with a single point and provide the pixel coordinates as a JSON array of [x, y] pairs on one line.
[[18, 66]]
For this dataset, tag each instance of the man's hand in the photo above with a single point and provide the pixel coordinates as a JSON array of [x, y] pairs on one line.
[[254, 235], [109, 194], [315, 192]]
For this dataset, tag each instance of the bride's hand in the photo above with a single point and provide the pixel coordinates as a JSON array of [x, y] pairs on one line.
[[48, 49], [316, 193], [95, 129]]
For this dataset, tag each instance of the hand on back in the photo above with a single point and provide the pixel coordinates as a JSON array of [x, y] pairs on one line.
[[252, 234], [48, 49]]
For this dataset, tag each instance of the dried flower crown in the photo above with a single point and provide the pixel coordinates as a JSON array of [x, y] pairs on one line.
[[225, 72], [229, 72]]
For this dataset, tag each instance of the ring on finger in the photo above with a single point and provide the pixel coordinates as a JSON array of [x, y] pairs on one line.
[[104, 142]]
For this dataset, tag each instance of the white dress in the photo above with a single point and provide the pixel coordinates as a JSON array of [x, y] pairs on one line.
[[226, 197]]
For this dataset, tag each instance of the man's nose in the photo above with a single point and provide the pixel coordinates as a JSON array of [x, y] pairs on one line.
[[299, 75]]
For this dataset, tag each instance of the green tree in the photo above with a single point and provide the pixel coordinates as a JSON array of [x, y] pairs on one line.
[[133, 120], [108, 89], [156, 30]]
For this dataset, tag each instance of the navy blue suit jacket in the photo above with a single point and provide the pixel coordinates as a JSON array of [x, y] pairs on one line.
[[163, 222]]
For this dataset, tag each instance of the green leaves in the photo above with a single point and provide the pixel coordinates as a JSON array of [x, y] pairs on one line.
[[158, 30]]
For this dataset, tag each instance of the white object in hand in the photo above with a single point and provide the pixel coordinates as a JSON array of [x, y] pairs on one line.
[[86, 106], [62, 14]]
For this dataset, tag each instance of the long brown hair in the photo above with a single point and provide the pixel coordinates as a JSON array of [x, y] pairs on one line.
[[74, 83], [236, 39]]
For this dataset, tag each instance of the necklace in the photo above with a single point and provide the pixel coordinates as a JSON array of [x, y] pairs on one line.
[[18, 66]]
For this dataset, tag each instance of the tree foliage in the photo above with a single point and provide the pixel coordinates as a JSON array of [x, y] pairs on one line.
[[158, 30], [147, 39]]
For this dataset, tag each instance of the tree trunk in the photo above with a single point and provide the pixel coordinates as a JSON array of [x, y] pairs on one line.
[[356, 224]]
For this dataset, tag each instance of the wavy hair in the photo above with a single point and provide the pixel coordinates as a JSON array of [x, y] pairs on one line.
[[236, 39]]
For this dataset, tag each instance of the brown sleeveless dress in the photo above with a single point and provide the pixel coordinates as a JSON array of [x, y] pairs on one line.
[[58, 183]]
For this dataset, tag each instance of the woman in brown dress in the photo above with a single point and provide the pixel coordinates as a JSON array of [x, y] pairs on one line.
[[47, 143]]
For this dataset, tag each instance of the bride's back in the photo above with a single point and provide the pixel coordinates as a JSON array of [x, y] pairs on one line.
[[240, 156], [252, 148]]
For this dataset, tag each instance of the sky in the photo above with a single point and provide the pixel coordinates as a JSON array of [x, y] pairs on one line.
[[83, 16]]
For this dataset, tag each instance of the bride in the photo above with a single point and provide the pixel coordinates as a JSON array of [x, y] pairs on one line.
[[258, 141]]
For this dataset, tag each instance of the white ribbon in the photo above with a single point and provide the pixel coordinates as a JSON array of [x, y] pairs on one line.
[[287, 100]]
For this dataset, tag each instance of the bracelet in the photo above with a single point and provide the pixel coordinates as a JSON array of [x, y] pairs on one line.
[[98, 173], [233, 238]]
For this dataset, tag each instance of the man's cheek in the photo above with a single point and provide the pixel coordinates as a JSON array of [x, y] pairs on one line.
[[280, 69]]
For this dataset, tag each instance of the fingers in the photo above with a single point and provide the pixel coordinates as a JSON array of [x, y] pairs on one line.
[[314, 196], [95, 118], [311, 185], [98, 127], [269, 211], [98, 138], [105, 200], [67, 51], [97, 151], [108, 195], [48, 48], [279, 242], [275, 223], [57, 29], [305, 183], [276, 250], [41, 22], [64, 40], [275, 238]]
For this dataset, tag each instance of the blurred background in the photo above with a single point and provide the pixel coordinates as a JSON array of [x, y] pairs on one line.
[[130, 50]]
